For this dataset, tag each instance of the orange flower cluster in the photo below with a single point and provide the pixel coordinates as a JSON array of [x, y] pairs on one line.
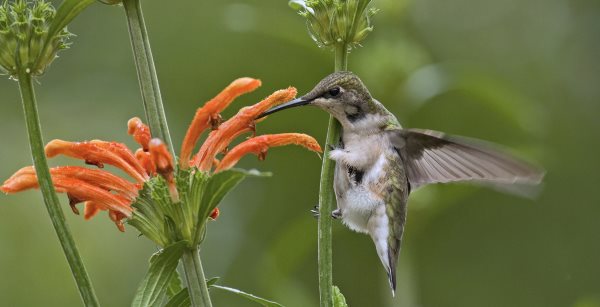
[[100, 190]]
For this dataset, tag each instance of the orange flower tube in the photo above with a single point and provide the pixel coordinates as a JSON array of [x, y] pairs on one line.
[[146, 161], [139, 131], [242, 121], [98, 153], [260, 144], [95, 177], [78, 191], [208, 115]]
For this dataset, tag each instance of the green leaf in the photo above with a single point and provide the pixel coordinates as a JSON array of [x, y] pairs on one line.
[[338, 298], [215, 188], [249, 296], [212, 281], [162, 267], [219, 185], [181, 299], [175, 286]]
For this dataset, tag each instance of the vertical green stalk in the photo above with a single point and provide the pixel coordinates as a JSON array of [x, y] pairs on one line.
[[144, 63], [194, 276], [47, 188], [327, 197], [157, 120]]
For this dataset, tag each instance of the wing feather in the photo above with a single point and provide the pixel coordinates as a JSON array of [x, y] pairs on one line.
[[433, 157]]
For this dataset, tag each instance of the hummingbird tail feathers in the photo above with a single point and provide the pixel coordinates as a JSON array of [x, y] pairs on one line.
[[388, 248]]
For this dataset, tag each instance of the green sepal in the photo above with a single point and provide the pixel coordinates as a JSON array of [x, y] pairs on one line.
[[157, 217]]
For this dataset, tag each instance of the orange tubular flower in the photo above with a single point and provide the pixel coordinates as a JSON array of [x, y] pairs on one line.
[[99, 152], [140, 132], [208, 115], [153, 168], [242, 122], [260, 144]]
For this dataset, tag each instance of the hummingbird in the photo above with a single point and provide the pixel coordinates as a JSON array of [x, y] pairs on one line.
[[379, 163]]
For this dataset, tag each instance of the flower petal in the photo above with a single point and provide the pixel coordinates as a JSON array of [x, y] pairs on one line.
[[25, 178], [20, 181], [90, 210], [260, 144], [117, 218], [208, 115], [98, 153], [145, 159], [164, 165], [241, 122], [161, 158], [84, 191], [77, 190], [139, 131]]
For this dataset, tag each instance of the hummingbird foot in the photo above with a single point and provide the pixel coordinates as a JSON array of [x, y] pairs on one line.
[[336, 214], [315, 211]]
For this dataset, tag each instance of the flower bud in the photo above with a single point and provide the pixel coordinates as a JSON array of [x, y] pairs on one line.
[[25, 42], [332, 22]]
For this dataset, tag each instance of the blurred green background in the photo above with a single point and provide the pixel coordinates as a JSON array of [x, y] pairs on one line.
[[521, 73]]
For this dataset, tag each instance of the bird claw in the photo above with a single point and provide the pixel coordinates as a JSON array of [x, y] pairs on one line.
[[336, 214], [315, 211]]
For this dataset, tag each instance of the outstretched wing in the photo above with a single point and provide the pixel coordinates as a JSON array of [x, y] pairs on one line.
[[433, 157]]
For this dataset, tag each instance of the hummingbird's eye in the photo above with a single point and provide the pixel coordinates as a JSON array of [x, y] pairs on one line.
[[334, 91]]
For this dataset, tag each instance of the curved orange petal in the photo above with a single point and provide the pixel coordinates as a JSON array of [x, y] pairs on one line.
[[96, 177], [77, 190], [83, 191], [260, 144], [139, 131], [90, 209], [162, 158], [117, 218], [145, 159], [208, 115], [242, 121], [20, 181], [164, 165], [98, 153]]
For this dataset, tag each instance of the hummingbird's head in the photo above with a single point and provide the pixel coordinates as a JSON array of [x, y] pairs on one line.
[[341, 94]]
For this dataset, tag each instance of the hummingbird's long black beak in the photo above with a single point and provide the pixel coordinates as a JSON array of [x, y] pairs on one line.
[[290, 104]]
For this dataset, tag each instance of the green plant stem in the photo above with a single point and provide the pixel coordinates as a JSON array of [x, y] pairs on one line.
[[327, 197], [195, 279], [144, 63], [47, 188]]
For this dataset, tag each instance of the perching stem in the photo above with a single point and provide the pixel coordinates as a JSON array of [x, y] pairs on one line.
[[144, 63], [57, 216], [194, 277], [327, 196], [157, 120]]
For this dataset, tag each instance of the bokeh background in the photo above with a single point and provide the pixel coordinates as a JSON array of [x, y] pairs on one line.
[[521, 73]]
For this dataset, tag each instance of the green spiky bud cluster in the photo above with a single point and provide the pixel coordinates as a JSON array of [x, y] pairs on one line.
[[165, 221], [332, 22], [24, 36]]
